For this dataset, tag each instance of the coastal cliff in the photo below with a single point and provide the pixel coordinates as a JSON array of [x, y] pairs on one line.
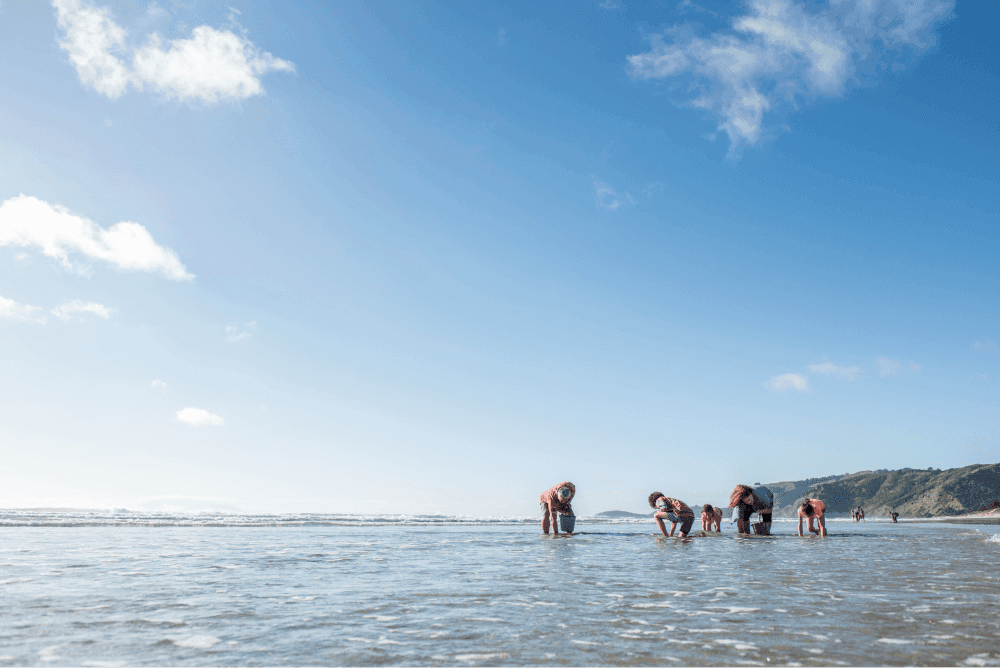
[[910, 492]]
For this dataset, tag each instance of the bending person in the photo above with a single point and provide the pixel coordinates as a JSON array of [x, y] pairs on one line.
[[813, 509], [746, 501], [711, 515], [676, 511], [555, 501]]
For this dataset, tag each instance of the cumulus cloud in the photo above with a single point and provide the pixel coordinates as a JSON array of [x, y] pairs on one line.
[[837, 371], [788, 381], [893, 367], [782, 52], [199, 417], [236, 333], [30, 222], [11, 310], [92, 40], [210, 65], [64, 311]]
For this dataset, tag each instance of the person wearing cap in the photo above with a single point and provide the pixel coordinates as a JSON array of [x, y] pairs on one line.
[[555, 501], [813, 509], [674, 510], [746, 501], [711, 515]]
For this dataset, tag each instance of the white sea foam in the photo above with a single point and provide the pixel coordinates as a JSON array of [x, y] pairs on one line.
[[736, 644], [585, 642], [14, 580], [104, 664], [995, 538], [195, 642], [895, 641], [381, 618], [732, 609], [48, 654], [480, 657]]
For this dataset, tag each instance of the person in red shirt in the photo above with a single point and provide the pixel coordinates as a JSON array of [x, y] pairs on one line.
[[555, 501], [813, 509], [676, 511], [711, 515]]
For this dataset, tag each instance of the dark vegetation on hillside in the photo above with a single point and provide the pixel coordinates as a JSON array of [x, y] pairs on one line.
[[910, 492]]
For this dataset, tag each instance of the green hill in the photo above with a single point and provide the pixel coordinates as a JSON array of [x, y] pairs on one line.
[[910, 492]]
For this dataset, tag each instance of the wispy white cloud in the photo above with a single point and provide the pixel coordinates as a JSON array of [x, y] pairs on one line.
[[93, 41], [986, 346], [830, 369], [501, 36], [199, 417], [11, 310], [243, 332], [609, 4], [888, 366], [781, 52], [210, 65], [158, 385], [64, 311], [608, 198], [30, 222], [788, 381]]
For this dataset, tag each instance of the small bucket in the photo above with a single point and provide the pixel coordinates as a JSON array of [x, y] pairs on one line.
[[567, 523]]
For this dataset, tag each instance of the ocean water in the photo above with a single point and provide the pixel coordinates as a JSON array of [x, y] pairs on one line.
[[115, 589]]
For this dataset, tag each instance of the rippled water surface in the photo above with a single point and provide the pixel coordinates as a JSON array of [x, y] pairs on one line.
[[98, 593]]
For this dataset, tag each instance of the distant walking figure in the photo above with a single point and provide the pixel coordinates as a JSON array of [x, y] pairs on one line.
[[861, 514], [893, 514], [813, 509], [676, 511], [711, 515], [555, 501], [745, 502]]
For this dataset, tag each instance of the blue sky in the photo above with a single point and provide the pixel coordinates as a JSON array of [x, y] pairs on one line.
[[436, 257]]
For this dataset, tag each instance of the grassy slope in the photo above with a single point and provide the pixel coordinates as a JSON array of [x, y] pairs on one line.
[[911, 493]]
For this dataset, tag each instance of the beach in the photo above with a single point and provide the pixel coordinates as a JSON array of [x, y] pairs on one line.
[[130, 589]]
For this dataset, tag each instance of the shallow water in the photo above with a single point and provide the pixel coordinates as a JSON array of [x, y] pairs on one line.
[[97, 593]]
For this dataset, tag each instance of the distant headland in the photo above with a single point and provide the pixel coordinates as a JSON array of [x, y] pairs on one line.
[[970, 490], [909, 492]]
